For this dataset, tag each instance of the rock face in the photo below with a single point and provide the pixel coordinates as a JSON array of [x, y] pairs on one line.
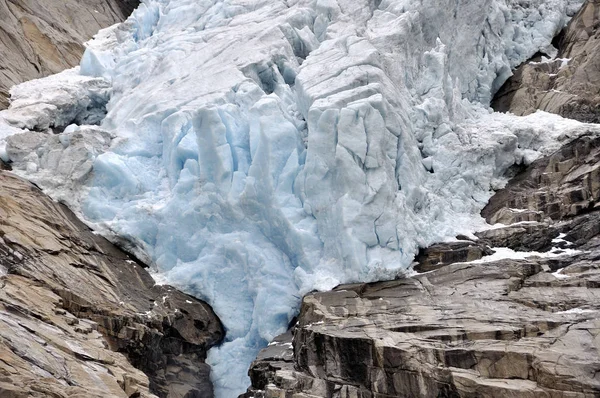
[[506, 328], [76, 312], [560, 186], [39, 38], [462, 331], [442, 254], [567, 85]]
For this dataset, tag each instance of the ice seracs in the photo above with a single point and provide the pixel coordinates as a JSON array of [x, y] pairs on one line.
[[57, 101], [256, 150]]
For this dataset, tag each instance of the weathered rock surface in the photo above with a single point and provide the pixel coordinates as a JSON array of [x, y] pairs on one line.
[[461, 331], [559, 186], [508, 328], [76, 312], [39, 38], [567, 85], [47, 351], [441, 254]]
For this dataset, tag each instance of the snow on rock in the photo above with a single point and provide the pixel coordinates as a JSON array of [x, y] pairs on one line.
[[261, 149], [576, 311], [502, 253]]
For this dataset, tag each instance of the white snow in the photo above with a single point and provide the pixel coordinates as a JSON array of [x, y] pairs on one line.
[[502, 253], [576, 311], [564, 62], [500, 225], [559, 275], [561, 239], [159, 279], [255, 150]]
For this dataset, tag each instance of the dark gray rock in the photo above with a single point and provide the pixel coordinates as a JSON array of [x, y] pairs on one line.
[[442, 254], [556, 187]]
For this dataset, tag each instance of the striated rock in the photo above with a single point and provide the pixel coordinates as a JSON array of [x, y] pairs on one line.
[[442, 254], [533, 236], [39, 38], [507, 328], [555, 195], [500, 329], [567, 85], [275, 361], [47, 351], [71, 301], [562, 185]]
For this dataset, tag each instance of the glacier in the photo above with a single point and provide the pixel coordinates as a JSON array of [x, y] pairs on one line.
[[256, 150]]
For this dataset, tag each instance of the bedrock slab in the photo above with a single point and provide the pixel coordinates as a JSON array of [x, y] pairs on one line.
[[501, 329]]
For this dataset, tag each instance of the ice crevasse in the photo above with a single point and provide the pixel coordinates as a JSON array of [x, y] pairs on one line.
[[255, 150]]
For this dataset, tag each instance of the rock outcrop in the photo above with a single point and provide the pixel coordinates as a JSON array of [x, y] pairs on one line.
[[441, 254], [568, 84], [78, 315], [526, 327], [39, 38]]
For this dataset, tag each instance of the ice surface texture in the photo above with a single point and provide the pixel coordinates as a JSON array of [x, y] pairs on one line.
[[263, 149]]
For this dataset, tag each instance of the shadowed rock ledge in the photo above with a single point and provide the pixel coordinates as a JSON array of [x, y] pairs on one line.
[[39, 38], [76, 312]]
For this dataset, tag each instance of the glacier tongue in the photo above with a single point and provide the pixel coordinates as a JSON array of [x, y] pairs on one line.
[[261, 149]]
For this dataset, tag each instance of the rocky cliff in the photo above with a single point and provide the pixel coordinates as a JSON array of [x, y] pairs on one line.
[[567, 84], [39, 38], [80, 318]]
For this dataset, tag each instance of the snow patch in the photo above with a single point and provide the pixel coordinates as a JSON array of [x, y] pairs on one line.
[[576, 311], [504, 253]]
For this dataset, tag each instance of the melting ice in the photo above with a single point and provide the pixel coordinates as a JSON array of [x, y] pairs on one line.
[[255, 150]]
